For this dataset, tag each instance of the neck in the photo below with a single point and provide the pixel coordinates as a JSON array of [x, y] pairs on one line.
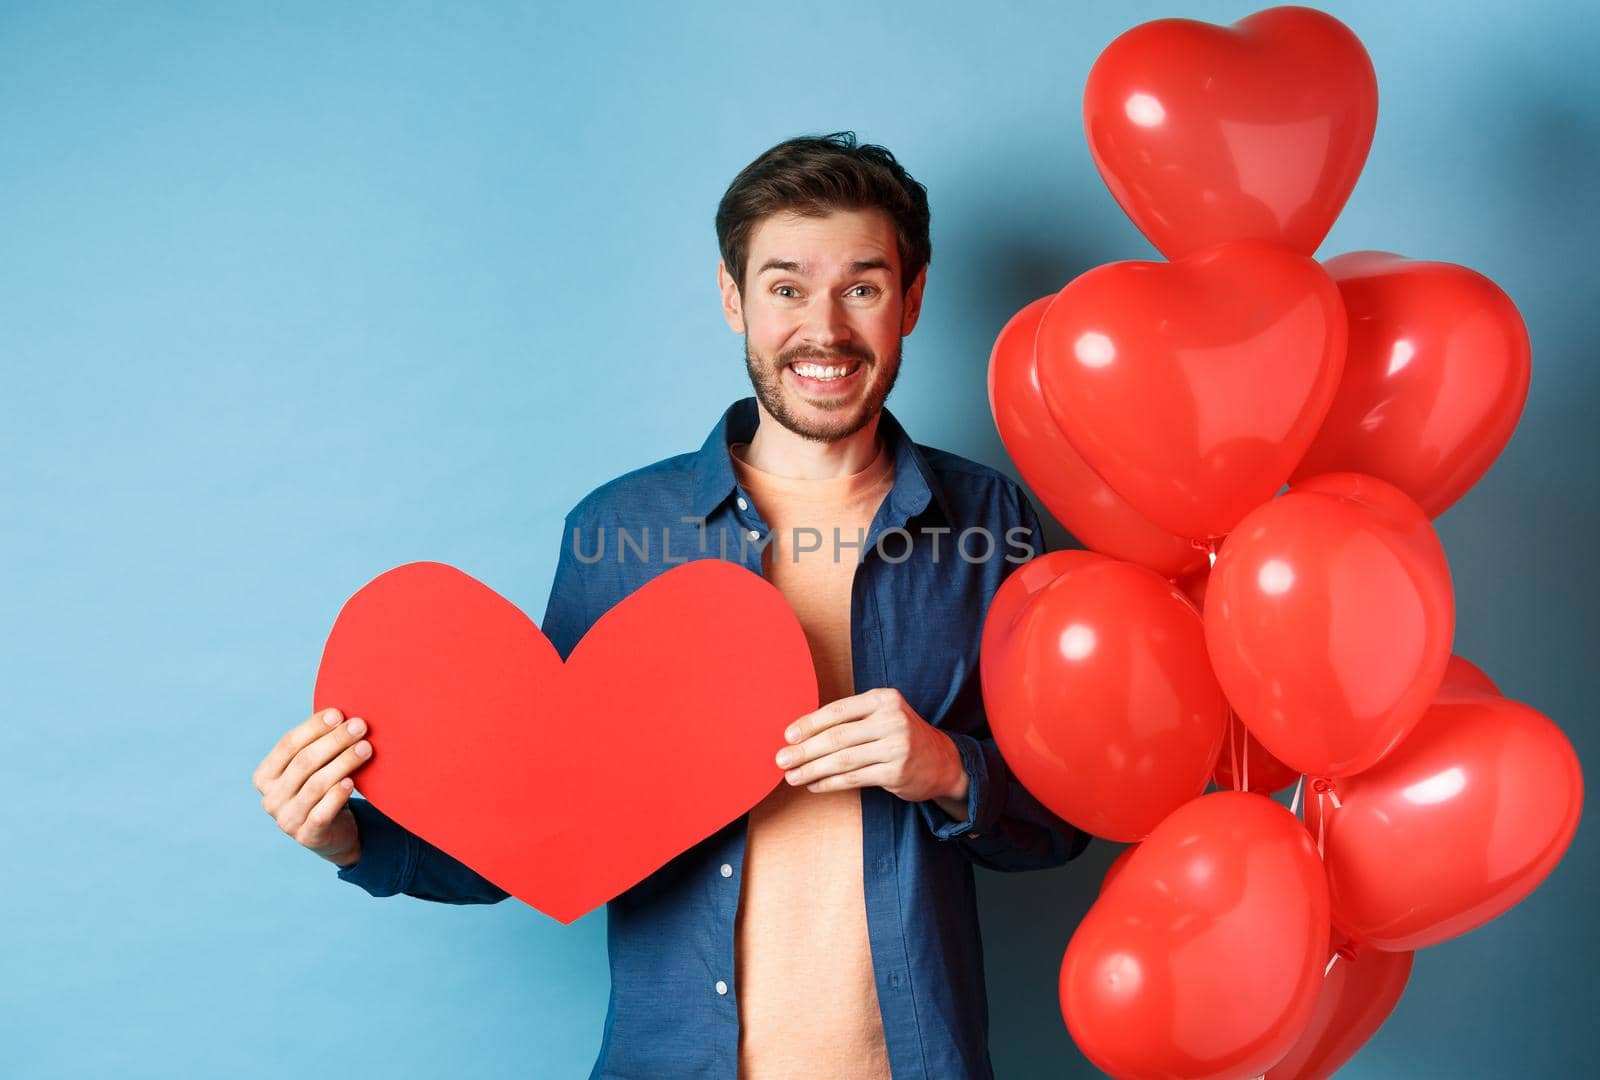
[[777, 450]]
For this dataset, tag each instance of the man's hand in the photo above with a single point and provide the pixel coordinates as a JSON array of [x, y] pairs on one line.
[[305, 784], [876, 739]]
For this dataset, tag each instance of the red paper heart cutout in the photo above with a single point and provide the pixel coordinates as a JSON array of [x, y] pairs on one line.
[[1194, 387], [1253, 131], [566, 784]]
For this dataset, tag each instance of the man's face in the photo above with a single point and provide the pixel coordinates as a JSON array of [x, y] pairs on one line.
[[823, 314]]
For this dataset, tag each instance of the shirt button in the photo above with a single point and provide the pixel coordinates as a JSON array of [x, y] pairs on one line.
[[722, 987], [754, 535], [727, 871], [742, 504]]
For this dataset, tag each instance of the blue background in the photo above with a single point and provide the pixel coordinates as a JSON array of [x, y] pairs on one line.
[[292, 294]]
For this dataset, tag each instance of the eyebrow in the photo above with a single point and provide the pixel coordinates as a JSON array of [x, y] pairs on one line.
[[790, 267]]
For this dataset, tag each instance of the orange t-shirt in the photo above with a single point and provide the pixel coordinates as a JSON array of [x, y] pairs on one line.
[[808, 1002]]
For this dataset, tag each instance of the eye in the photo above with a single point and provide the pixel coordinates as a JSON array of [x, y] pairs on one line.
[[864, 290], [786, 291]]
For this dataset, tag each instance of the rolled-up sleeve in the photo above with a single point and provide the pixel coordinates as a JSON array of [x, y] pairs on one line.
[[394, 860]]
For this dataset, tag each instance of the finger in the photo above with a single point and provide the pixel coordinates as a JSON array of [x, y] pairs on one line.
[[343, 739], [318, 783], [320, 818], [832, 740], [842, 761], [871, 776], [835, 712], [294, 740]]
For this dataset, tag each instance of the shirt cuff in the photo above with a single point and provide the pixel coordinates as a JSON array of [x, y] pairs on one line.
[[980, 812], [388, 852]]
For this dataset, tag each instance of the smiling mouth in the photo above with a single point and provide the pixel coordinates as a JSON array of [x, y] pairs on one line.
[[812, 371]]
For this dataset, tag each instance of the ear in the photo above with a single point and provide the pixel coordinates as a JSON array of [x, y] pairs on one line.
[[732, 303], [913, 303]]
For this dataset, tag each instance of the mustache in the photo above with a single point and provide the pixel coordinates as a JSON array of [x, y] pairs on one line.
[[823, 356]]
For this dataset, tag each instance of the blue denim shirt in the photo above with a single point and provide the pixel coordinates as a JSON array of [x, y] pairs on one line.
[[917, 608]]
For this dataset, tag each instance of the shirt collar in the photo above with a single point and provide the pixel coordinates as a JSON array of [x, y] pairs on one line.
[[915, 484]]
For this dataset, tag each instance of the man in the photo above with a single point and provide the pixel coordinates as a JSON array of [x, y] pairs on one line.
[[832, 931]]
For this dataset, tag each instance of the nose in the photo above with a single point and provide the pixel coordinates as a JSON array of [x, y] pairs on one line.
[[827, 323]]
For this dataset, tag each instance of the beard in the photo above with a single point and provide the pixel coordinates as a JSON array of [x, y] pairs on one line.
[[844, 418]]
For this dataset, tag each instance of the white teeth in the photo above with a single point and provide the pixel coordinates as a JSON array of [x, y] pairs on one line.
[[817, 371]]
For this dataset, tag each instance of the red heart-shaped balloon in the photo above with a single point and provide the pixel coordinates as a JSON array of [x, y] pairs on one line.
[[1204, 955], [1462, 676], [1097, 516], [1119, 864], [1099, 692], [1211, 133], [1435, 377], [1460, 822], [1358, 994], [1194, 387], [1329, 616], [566, 784]]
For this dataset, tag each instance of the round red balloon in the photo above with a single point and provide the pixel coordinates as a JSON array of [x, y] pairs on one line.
[[1329, 617], [1459, 823], [1099, 692], [1097, 516], [1357, 996], [1435, 377], [1210, 133], [1204, 957], [1194, 387]]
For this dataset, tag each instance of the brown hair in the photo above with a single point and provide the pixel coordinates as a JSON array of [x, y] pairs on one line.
[[815, 175]]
